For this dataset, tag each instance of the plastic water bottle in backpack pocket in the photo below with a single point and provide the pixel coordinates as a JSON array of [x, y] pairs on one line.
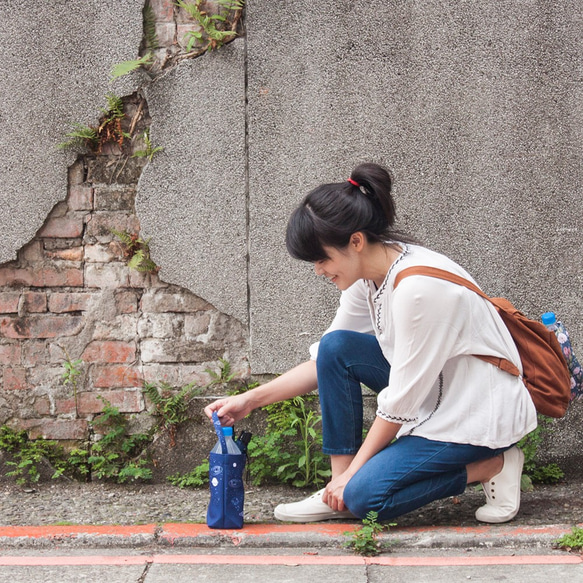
[[227, 492]]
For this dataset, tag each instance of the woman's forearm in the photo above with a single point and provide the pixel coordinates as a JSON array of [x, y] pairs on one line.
[[379, 436], [297, 381]]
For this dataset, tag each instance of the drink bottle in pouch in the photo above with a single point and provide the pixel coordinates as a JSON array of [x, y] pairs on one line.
[[227, 493]]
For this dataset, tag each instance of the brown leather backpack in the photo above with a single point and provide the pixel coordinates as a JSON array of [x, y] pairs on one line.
[[545, 371]]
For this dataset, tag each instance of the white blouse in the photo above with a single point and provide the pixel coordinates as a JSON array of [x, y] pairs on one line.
[[428, 329]]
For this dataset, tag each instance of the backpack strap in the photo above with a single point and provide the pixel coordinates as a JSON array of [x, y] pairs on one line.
[[501, 363], [440, 274]]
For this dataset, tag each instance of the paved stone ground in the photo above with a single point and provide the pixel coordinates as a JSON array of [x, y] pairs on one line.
[[65, 502]]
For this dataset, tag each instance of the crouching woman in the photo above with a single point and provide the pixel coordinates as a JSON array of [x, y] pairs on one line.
[[445, 418]]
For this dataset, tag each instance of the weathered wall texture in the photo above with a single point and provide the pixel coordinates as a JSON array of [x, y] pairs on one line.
[[68, 293], [56, 59], [192, 197], [475, 106]]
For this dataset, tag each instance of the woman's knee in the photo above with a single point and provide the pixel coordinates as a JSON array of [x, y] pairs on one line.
[[332, 345], [358, 497]]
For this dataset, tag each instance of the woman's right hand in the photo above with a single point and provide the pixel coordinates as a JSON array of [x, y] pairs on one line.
[[230, 409]]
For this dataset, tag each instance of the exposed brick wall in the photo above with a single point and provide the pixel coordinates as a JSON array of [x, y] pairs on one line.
[[71, 293]]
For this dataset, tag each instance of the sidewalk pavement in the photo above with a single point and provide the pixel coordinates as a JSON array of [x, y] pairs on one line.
[[287, 553], [156, 534]]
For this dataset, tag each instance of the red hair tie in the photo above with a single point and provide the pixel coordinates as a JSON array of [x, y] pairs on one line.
[[354, 183]]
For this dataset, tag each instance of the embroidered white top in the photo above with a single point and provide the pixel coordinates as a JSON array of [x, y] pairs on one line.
[[428, 330]]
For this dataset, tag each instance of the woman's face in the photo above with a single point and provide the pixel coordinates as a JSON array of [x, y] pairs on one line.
[[342, 267]]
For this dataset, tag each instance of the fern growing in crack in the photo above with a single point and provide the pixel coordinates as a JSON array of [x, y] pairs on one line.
[[136, 251], [121, 69], [217, 29], [80, 137], [150, 150]]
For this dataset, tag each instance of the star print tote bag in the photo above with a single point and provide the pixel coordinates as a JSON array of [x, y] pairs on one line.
[[227, 492]]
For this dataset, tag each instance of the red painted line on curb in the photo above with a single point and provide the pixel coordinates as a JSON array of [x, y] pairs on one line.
[[182, 529], [72, 561], [172, 531], [475, 561], [299, 560]]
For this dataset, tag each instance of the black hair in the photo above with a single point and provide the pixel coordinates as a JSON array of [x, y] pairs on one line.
[[331, 213]]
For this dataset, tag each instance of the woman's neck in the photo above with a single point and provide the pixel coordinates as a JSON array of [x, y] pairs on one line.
[[380, 259]]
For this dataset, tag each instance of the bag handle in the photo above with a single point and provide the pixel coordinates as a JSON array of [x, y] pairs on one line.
[[501, 363], [219, 431]]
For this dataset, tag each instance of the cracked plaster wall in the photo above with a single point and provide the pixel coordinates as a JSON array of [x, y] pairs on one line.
[[192, 196], [55, 65], [475, 106]]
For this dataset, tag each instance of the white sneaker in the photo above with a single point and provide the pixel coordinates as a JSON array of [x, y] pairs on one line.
[[311, 509], [503, 490]]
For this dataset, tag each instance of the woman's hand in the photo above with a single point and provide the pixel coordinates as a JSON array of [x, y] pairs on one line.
[[379, 436], [230, 409], [334, 491]]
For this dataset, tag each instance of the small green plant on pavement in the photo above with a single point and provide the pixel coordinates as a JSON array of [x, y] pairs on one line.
[[363, 540], [572, 541]]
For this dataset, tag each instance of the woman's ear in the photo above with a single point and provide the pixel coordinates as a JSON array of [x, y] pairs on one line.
[[357, 241]]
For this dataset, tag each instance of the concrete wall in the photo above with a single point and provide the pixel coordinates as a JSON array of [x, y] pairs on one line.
[[192, 197], [475, 106]]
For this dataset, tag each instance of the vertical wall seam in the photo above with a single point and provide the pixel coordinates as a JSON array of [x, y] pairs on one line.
[[247, 190]]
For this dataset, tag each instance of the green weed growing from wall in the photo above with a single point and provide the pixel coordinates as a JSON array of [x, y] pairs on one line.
[[109, 130], [136, 251], [534, 471], [215, 29]]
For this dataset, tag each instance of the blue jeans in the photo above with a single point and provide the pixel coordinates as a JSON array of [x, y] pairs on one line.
[[407, 474]]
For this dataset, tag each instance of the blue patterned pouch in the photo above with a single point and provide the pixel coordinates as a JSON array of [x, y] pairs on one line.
[[227, 493]]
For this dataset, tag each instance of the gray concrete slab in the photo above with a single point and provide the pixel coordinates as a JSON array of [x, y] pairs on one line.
[[258, 573], [192, 196], [55, 70], [435, 565], [71, 574], [451, 574]]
